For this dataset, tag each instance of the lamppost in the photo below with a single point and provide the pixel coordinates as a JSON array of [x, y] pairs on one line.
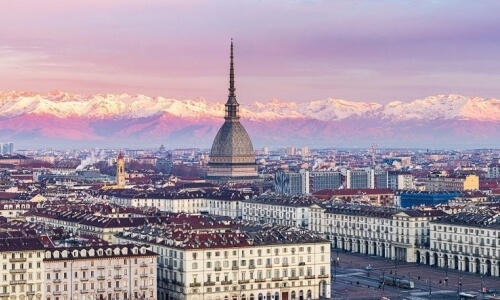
[[482, 290], [430, 291], [446, 278], [459, 285]]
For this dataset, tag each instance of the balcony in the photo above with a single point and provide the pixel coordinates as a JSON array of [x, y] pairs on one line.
[[29, 293], [100, 267], [56, 293], [209, 283], [117, 289], [101, 277], [4, 295], [302, 264], [170, 266], [269, 266], [218, 269], [309, 277], [277, 278], [117, 277], [195, 284], [235, 267], [14, 282], [84, 291], [17, 259], [144, 275], [243, 281], [101, 290], [143, 287], [117, 266], [323, 276], [14, 271], [143, 265], [251, 266], [284, 265], [83, 268], [293, 278], [260, 280], [226, 282], [84, 279]]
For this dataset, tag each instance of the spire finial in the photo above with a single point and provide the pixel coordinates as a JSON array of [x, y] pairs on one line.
[[231, 74]]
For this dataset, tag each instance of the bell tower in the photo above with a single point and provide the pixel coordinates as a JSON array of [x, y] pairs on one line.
[[120, 170]]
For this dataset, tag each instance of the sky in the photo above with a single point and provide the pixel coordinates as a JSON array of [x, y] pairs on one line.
[[292, 50]]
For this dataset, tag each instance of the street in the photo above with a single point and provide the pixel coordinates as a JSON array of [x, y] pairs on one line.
[[352, 280]]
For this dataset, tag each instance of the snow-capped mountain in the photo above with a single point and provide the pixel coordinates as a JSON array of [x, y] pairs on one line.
[[110, 118]]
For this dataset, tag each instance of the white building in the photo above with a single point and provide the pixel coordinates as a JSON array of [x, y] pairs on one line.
[[273, 209], [466, 241], [110, 272], [227, 260]]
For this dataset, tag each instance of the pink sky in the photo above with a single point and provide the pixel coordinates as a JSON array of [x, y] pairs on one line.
[[291, 50]]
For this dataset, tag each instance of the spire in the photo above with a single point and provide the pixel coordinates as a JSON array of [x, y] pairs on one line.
[[232, 106], [231, 74]]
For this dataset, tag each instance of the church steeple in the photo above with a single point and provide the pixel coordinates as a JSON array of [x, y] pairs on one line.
[[232, 106]]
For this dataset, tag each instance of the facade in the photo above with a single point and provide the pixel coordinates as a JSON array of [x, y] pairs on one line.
[[380, 231], [451, 182], [232, 157], [291, 183], [288, 211], [112, 272], [413, 198], [22, 269], [494, 170], [383, 197], [320, 180], [399, 180], [120, 171], [466, 241], [249, 263]]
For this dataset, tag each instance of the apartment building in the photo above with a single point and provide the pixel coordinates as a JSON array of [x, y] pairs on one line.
[[111, 272], [21, 258], [236, 260], [279, 210], [465, 241]]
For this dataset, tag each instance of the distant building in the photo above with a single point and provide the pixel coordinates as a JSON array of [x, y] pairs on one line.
[[232, 157], [455, 182], [7, 148], [397, 180], [120, 171], [292, 183], [367, 178], [412, 198], [494, 170]]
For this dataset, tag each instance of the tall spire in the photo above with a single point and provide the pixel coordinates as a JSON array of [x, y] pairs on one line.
[[232, 110], [231, 74]]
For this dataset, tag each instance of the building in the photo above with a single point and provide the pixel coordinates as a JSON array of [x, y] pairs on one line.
[[383, 197], [291, 183], [414, 198], [398, 180], [274, 209], [232, 157], [120, 171], [380, 231], [494, 170], [466, 241], [22, 273], [109, 272], [321, 180], [238, 261], [454, 182], [367, 178]]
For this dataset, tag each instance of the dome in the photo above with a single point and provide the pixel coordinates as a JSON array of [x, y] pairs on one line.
[[232, 140]]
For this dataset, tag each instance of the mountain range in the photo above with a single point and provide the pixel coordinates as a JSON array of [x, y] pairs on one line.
[[60, 119]]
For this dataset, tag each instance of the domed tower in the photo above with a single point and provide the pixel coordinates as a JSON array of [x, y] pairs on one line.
[[120, 170], [232, 156]]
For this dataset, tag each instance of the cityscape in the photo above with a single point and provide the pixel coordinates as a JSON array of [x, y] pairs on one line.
[[107, 193]]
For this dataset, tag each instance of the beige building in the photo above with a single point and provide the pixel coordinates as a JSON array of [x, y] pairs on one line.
[[443, 182], [372, 230], [112, 272], [210, 260], [21, 275]]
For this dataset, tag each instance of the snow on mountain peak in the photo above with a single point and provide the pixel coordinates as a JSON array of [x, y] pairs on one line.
[[64, 105]]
